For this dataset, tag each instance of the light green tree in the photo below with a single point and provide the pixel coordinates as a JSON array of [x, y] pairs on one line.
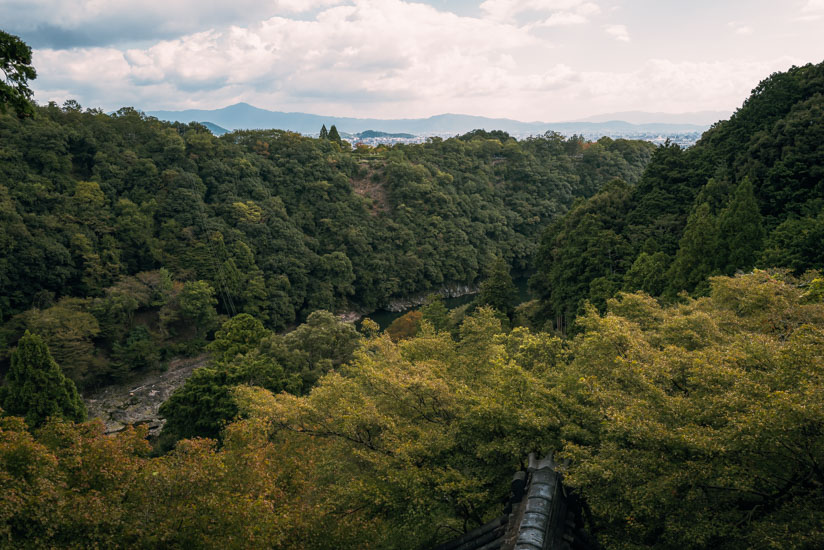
[[498, 290]]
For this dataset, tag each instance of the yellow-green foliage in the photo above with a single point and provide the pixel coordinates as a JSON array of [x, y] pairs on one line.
[[696, 425], [700, 425]]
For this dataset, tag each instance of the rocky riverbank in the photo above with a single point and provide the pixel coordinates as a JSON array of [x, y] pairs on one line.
[[138, 402]]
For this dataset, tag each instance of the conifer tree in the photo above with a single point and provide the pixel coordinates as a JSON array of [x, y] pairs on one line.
[[697, 251], [324, 134], [36, 387], [741, 229], [333, 134]]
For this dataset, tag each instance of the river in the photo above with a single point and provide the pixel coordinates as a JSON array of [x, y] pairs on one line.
[[384, 318]]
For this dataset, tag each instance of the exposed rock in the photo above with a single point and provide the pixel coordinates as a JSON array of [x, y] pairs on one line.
[[350, 316], [138, 401], [398, 305], [449, 291]]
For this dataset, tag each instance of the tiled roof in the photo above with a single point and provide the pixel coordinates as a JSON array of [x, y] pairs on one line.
[[542, 516]]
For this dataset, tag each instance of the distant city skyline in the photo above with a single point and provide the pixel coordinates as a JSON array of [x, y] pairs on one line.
[[548, 60]]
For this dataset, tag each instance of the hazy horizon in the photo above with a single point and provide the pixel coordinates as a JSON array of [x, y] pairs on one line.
[[704, 118]]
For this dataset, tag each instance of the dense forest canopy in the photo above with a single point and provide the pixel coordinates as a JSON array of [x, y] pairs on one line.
[[121, 234], [680, 385]]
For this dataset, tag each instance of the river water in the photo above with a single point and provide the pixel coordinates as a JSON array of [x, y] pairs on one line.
[[384, 318]]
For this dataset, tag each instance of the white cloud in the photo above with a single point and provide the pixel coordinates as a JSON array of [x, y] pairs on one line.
[[740, 28], [561, 11], [812, 10], [394, 58], [618, 32], [385, 51], [72, 23]]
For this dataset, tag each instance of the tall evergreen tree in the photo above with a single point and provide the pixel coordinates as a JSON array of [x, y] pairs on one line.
[[741, 229], [333, 134], [324, 134], [36, 387], [697, 253]]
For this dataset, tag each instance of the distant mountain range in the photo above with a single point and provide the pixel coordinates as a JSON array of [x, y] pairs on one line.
[[245, 116]]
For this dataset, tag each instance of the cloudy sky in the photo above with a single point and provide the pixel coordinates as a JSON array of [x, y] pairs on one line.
[[547, 60]]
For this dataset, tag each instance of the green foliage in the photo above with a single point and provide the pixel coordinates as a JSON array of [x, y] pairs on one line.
[[15, 62], [698, 425], [435, 313], [741, 230], [421, 433], [498, 290], [324, 134], [200, 408], [237, 336], [333, 134], [245, 353], [97, 206], [197, 305], [749, 192], [648, 273], [69, 330], [585, 245], [697, 251], [796, 244], [36, 388]]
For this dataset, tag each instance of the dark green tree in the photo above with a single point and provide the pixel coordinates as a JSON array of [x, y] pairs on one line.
[[324, 134], [648, 273], [697, 253], [197, 304], [15, 62], [333, 134], [237, 336], [741, 229], [498, 290], [200, 408], [36, 387]]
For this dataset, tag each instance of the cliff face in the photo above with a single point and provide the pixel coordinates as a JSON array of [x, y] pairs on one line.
[[138, 401]]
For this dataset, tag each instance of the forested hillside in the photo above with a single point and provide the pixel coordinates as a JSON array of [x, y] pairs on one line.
[[749, 193], [122, 234]]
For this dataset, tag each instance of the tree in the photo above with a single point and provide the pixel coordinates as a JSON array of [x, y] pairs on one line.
[[324, 134], [420, 436], [498, 290], [697, 253], [648, 273], [15, 62], [334, 135], [699, 425], [36, 387], [197, 304], [240, 334], [405, 326], [69, 331], [199, 408], [434, 312], [741, 230]]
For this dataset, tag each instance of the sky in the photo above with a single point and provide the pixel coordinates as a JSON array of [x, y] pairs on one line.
[[532, 60]]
